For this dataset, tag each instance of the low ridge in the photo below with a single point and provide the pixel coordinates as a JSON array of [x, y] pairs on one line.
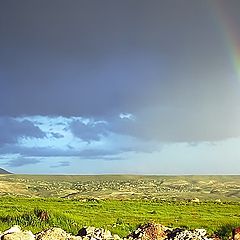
[[3, 171]]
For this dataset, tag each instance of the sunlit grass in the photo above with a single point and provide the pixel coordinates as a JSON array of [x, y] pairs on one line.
[[118, 216]]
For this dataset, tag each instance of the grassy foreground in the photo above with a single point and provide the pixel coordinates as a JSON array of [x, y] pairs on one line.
[[118, 216]]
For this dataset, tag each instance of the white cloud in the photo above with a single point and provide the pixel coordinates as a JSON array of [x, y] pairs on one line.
[[127, 116]]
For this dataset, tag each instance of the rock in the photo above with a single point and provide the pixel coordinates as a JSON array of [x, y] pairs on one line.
[[173, 233], [13, 229], [82, 232], [55, 233], [107, 234], [149, 231], [91, 233], [116, 237], [152, 231], [236, 233], [179, 234], [26, 235], [74, 238]]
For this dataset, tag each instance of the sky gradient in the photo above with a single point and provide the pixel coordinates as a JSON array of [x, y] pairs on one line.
[[142, 87]]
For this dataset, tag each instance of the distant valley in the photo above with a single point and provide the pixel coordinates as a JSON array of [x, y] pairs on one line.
[[220, 188]]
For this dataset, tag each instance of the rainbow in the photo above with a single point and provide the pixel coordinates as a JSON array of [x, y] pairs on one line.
[[231, 35]]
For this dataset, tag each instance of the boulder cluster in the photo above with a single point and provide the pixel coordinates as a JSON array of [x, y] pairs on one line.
[[153, 231], [54, 233], [15, 233], [150, 231]]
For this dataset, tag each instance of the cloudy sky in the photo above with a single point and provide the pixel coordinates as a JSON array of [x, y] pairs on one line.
[[120, 86]]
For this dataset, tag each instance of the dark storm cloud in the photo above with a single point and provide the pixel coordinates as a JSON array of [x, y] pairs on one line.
[[79, 60], [11, 130], [88, 132], [159, 60], [96, 58], [181, 124], [167, 125], [21, 161]]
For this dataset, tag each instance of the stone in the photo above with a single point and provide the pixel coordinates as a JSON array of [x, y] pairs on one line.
[[107, 234], [150, 231], [236, 233], [53, 233], [74, 238], [179, 234], [26, 235], [13, 229], [95, 233], [82, 232], [116, 237]]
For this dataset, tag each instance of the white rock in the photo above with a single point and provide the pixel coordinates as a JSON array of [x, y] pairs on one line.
[[26, 235], [13, 229]]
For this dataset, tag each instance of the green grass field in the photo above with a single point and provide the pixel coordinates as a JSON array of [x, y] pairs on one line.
[[117, 216]]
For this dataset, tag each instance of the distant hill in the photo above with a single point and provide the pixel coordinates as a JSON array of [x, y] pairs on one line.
[[3, 171], [217, 188]]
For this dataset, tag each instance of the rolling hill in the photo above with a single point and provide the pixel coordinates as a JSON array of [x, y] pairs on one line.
[[3, 171]]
